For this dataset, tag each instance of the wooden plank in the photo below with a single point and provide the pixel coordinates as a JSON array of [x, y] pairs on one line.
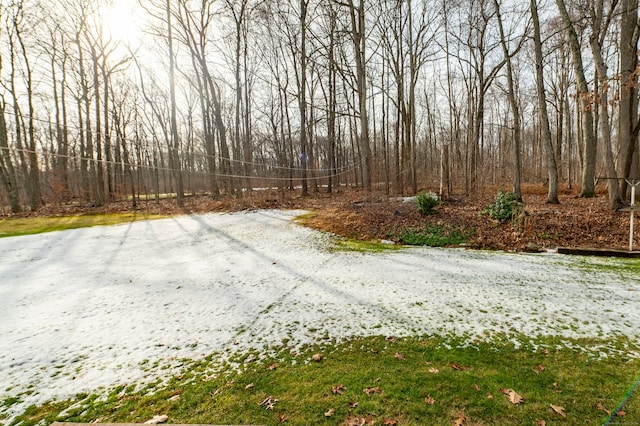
[[630, 209], [599, 252]]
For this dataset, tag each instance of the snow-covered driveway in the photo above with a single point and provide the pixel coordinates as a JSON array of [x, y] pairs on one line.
[[85, 308]]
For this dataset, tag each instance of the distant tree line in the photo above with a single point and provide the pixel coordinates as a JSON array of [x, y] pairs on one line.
[[223, 97]]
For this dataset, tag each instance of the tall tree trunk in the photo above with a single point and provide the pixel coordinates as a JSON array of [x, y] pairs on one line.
[[302, 99], [358, 37], [588, 146], [8, 176], [34, 190], [175, 138], [552, 168], [515, 110], [108, 166], [600, 29], [98, 195], [628, 111], [331, 110]]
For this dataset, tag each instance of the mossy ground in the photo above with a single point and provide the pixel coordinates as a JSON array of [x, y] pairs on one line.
[[37, 225]]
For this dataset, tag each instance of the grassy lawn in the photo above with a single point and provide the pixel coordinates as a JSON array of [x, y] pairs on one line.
[[384, 381], [374, 380], [38, 225]]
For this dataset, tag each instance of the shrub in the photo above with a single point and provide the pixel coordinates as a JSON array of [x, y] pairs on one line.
[[505, 207], [427, 203]]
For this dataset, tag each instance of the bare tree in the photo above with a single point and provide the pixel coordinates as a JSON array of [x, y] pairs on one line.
[[8, 177], [515, 109], [552, 169], [589, 140], [628, 125], [358, 35], [600, 21], [175, 137], [28, 152]]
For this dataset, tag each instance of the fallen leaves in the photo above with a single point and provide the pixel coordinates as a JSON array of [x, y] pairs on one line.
[[157, 419], [538, 369], [559, 410], [269, 403], [359, 421], [373, 390], [459, 367], [338, 390], [330, 412], [514, 397], [434, 370], [429, 400], [399, 357], [461, 420], [316, 358], [601, 408]]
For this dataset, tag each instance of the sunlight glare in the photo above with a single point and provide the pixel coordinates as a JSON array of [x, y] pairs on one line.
[[121, 22]]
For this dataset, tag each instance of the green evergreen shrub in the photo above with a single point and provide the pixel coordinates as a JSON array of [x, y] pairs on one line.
[[505, 207], [427, 203]]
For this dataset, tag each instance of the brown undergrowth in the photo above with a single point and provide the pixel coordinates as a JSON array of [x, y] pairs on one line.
[[575, 222]]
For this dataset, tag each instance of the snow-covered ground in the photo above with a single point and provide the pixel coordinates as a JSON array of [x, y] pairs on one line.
[[98, 307]]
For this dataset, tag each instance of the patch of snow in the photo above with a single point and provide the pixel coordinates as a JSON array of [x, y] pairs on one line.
[[93, 308], [411, 199]]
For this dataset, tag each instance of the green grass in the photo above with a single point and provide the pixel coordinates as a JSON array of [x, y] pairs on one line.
[[38, 225], [614, 265], [350, 244], [403, 373], [438, 235]]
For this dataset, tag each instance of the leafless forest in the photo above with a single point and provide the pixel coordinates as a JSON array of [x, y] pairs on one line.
[[107, 99]]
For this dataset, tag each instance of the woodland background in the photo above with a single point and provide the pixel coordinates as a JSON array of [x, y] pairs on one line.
[[104, 100]]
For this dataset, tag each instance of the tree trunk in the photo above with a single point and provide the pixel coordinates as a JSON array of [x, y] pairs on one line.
[[589, 141], [628, 110], [602, 104], [7, 171], [359, 44], [302, 99], [445, 185], [515, 110], [34, 190], [175, 139], [552, 168]]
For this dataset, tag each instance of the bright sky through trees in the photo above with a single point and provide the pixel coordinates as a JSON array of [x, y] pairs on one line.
[[122, 21]]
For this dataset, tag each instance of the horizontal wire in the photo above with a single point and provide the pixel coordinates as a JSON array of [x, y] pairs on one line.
[[174, 170]]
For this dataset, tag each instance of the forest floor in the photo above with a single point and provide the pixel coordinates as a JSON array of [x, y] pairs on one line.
[[575, 222]]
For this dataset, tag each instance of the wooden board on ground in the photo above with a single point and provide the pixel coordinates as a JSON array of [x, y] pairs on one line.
[[599, 252], [631, 209]]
